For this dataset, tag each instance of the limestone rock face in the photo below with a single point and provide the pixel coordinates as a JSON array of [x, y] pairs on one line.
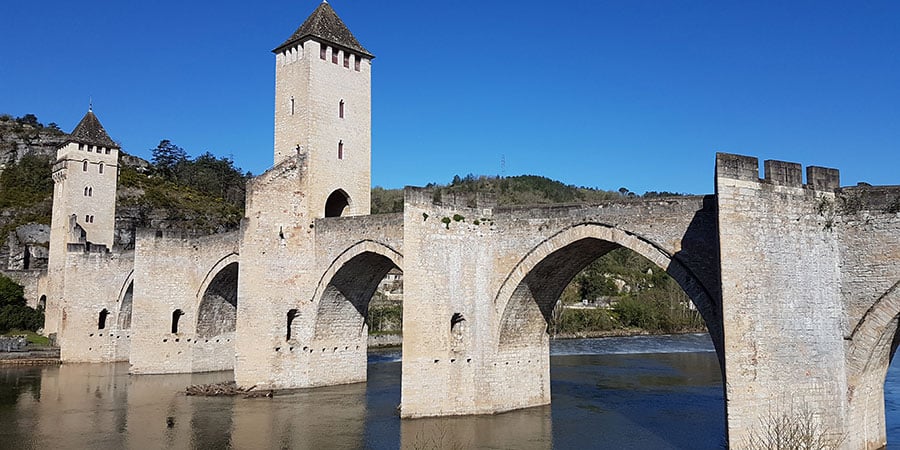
[[18, 140], [28, 247]]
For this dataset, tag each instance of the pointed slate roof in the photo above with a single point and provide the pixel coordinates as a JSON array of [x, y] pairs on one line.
[[89, 131], [325, 25]]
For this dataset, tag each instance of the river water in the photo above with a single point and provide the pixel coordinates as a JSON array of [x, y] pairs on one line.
[[643, 392]]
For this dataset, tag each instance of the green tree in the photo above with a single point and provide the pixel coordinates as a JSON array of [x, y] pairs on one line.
[[166, 158], [14, 314], [27, 182]]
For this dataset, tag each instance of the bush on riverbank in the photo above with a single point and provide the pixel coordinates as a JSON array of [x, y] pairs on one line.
[[14, 313]]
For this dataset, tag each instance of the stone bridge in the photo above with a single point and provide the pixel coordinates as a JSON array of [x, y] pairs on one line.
[[797, 283]]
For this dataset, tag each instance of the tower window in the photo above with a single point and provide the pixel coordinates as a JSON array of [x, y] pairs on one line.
[[334, 56], [340, 149], [292, 105], [346, 60], [322, 50], [356, 63], [87, 218], [84, 166], [341, 109], [106, 151], [90, 192], [81, 147], [101, 167], [85, 191]]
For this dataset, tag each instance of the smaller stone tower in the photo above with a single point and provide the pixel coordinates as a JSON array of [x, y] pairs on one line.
[[84, 194], [323, 112]]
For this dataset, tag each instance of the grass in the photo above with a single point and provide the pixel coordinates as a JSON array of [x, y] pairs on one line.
[[32, 337]]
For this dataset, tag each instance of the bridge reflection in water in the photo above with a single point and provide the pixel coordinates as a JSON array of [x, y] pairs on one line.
[[631, 397]]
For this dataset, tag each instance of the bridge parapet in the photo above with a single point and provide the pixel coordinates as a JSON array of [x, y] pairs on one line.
[[780, 173]]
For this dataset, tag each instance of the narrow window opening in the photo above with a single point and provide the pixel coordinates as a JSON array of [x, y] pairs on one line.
[[347, 60], [101, 322], [340, 149], [85, 191], [356, 64], [84, 166], [291, 315], [322, 50], [341, 109], [107, 151], [81, 147], [334, 56], [101, 167], [292, 105], [175, 316], [87, 218]]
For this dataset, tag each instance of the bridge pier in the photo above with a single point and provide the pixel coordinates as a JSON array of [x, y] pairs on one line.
[[782, 304]]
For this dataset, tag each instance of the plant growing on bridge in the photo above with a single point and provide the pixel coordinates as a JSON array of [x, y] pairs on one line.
[[792, 430], [446, 222]]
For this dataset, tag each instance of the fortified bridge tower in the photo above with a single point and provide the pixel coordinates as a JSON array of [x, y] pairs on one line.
[[323, 112]]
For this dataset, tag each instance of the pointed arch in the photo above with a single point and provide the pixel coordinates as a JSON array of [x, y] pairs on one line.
[[346, 287], [338, 204], [527, 296]]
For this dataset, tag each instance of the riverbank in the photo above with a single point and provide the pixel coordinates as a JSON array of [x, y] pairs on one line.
[[34, 357]]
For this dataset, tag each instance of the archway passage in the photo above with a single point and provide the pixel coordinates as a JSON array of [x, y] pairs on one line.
[[217, 314], [337, 204], [526, 303], [338, 344], [344, 302], [527, 312], [124, 319]]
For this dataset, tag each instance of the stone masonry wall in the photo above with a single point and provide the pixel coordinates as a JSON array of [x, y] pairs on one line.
[[96, 282], [472, 263], [289, 259], [172, 272], [868, 222], [781, 296]]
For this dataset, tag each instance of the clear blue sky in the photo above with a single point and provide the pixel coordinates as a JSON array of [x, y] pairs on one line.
[[607, 94]]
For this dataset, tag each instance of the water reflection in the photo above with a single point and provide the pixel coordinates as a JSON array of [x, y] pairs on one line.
[[620, 399]]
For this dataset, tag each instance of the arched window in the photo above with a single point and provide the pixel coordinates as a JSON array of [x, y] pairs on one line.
[[84, 166], [338, 203], [90, 192], [85, 191], [291, 315], [101, 322], [42, 303], [101, 167], [340, 149], [175, 316], [341, 109]]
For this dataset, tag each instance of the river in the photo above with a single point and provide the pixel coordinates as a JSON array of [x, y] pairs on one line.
[[657, 392]]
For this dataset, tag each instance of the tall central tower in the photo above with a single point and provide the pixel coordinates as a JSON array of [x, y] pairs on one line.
[[323, 112]]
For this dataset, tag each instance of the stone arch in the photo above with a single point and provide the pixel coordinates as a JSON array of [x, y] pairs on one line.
[[42, 302], [345, 289], [875, 336], [125, 301], [217, 310], [337, 204], [529, 292]]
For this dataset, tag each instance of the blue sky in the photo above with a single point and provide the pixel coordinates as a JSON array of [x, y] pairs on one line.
[[607, 94]]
